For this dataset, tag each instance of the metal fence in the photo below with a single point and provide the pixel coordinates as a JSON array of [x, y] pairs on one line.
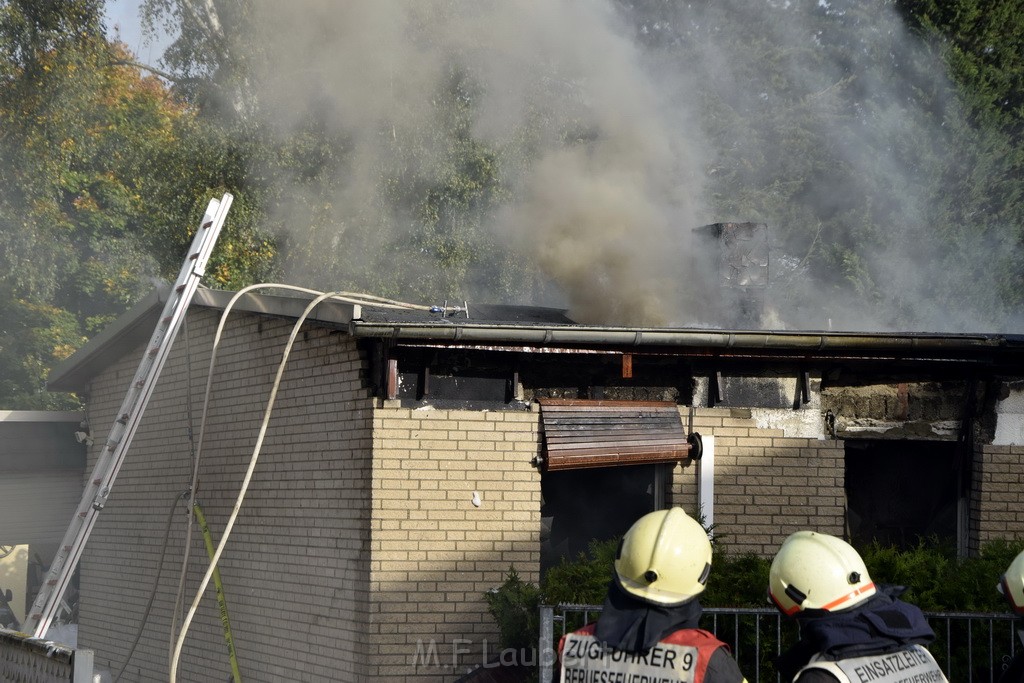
[[970, 646], [33, 660]]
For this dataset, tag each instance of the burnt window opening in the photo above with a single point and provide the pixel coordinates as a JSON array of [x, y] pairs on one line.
[[900, 493], [596, 504], [461, 379], [604, 377], [483, 379]]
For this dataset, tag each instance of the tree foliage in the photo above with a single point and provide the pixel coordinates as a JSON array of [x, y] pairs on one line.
[[103, 173]]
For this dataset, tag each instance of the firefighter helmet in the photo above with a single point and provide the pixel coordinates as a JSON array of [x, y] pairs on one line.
[[1011, 585], [664, 558], [817, 571]]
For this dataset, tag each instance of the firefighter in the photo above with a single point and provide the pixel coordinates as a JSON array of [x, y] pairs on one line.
[[1011, 585], [648, 628], [850, 628]]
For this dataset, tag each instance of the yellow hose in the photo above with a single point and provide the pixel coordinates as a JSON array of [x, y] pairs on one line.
[[222, 602]]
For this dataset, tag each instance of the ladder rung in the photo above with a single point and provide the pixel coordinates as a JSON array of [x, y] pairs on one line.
[[153, 351], [207, 224], [167, 319], [51, 582], [96, 482], [193, 257], [179, 289]]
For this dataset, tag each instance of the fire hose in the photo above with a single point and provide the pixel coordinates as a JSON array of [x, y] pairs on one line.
[[222, 602]]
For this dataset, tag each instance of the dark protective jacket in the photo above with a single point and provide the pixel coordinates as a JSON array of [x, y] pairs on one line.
[[882, 625], [635, 640], [1013, 670]]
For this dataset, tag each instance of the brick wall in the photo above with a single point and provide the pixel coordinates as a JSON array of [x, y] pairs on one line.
[[296, 569], [434, 553], [359, 553], [767, 485], [997, 495]]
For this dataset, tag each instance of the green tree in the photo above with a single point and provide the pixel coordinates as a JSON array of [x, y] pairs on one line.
[[103, 175]]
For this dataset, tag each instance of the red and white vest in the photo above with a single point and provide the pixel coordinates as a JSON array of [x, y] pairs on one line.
[[680, 656]]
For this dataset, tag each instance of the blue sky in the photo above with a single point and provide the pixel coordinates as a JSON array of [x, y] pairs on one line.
[[123, 20]]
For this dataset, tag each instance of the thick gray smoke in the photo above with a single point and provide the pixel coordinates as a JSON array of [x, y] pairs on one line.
[[612, 135], [594, 213]]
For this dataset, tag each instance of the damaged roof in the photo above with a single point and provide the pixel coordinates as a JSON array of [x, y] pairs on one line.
[[538, 328]]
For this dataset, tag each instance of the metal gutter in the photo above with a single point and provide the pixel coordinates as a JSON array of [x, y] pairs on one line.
[[136, 326], [836, 343]]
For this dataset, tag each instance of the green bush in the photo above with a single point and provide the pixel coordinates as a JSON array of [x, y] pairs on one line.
[[737, 581], [515, 607], [583, 581], [936, 579]]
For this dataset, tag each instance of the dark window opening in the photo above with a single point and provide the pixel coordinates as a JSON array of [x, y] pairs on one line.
[[580, 506], [899, 493]]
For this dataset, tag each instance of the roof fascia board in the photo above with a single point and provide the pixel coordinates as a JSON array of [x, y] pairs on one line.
[[132, 327], [41, 416], [337, 313], [137, 324]]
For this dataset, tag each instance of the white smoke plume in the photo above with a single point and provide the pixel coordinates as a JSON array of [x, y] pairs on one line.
[[611, 148], [594, 215]]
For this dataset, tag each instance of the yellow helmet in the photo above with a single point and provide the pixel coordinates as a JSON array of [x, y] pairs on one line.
[[1011, 585], [817, 571], [664, 558]]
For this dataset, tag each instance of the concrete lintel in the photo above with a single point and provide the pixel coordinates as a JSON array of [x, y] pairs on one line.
[[866, 428]]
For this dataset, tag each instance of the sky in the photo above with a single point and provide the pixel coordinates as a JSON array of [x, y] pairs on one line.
[[123, 21]]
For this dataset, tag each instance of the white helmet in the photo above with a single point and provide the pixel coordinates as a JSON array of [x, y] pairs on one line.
[[1011, 585], [817, 571], [664, 558]]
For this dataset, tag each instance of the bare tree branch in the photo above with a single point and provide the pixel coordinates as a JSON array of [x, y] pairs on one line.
[[153, 70]]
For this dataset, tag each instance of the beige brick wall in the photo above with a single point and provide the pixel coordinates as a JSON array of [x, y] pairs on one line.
[[997, 495], [359, 553], [435, 554], [296, 569], [766, 485]]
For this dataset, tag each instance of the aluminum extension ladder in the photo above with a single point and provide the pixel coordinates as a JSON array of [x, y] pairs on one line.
[[97, 489]]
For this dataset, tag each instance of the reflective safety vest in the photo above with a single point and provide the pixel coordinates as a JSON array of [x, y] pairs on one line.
[[913, 664], [680, 656]]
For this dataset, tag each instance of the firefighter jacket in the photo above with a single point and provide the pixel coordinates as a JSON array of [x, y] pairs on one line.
[[884, 636], [911, 665], [634, 639], [686, 655], [1013, 670]]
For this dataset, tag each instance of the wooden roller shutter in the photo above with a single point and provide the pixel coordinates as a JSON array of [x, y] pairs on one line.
[[579, 433]]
